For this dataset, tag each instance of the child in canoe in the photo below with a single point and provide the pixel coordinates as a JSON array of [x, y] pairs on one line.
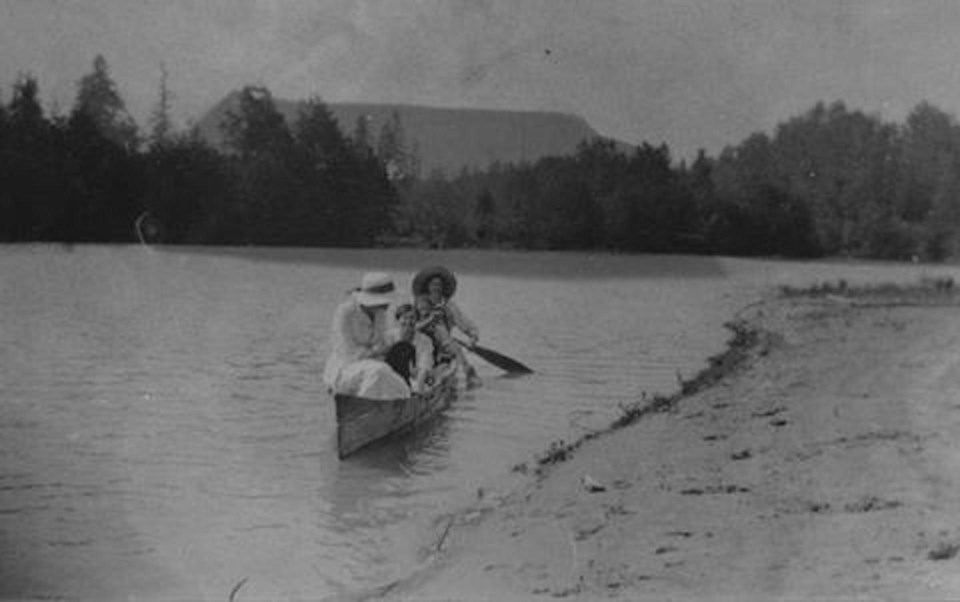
[[438, 315], [411, 355]]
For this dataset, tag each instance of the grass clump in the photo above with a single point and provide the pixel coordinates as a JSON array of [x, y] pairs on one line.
[[927, 286], [745, 338], [944, 551]]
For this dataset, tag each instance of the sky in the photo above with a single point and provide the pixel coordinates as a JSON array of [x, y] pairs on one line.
[[691, 73]]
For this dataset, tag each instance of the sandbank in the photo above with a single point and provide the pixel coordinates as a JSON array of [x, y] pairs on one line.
[[819, 459]]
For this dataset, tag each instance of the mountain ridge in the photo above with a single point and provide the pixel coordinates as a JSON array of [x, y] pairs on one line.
[[449, 139]]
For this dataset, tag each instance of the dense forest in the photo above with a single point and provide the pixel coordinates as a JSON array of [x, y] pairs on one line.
[[832, 181]]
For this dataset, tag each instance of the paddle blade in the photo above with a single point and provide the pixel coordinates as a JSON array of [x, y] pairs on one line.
[[507, 364]]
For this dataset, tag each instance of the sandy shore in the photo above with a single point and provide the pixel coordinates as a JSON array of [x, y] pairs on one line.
[[826, 465]]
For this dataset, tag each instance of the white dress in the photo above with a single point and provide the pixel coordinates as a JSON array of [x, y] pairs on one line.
[[355, 343]]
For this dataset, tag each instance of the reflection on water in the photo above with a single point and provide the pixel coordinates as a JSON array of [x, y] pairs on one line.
[[164, 434]]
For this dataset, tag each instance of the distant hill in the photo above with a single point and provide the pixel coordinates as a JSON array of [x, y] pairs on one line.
[[449, 139]]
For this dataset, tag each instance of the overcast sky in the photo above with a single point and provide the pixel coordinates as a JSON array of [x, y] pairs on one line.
[[691, 73]]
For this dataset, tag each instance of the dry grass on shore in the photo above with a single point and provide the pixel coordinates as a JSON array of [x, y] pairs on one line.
[[746, 336]]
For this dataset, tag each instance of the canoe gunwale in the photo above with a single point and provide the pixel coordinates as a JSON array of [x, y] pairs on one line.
[[362, 421]]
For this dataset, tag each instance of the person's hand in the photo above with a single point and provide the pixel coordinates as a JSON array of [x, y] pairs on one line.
[[473, 339], [427, 322]]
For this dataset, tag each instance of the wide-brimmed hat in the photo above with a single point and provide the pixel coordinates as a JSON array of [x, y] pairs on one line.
[[376, 289], [421, 281]]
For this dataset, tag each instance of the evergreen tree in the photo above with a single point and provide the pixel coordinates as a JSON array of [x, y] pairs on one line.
[[486, 214], [24, 163], [361, 135], [98, 99], [699, 183], [188, 193], [318, 134], [257, 128], [105, 183], [263, 169], [391, 149], [161, 124], [324, 156], [414, 163], [26, 114]]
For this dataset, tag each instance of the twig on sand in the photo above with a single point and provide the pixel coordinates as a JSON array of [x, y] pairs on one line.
[[443, 536], [236, 588]]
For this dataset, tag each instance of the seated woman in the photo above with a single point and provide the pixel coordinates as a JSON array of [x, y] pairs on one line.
[[359, 344], [438, 315]]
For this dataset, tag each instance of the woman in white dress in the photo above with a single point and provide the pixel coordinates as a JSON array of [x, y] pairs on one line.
[[359, 344]]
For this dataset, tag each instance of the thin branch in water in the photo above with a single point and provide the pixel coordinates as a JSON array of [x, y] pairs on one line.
[[236, 588]]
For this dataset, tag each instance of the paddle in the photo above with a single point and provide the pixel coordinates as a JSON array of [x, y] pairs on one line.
[[499, 360]]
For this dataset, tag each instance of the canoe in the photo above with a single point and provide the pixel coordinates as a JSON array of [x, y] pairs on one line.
[[362, 421]]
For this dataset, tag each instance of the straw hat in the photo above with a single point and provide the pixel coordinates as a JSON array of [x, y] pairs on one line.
[[421, 281], [376, 289]]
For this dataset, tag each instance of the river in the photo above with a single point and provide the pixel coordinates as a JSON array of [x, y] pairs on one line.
[[164, 433]]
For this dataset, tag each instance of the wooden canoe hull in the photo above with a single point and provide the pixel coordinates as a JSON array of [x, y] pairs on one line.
[[362, 421]]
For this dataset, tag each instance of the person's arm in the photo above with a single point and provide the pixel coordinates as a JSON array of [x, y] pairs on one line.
[[461, 321], [425, 323], [427, 315], [424, 347], [344, 340], [381, 341], [424, 360], [352, 343]]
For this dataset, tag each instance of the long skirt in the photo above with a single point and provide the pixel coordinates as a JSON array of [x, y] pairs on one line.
[[372, 379]]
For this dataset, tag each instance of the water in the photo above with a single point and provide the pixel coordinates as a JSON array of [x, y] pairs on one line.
[[164, 432]]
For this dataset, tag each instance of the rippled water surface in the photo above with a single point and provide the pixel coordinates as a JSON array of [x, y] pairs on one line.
[[164, 432]]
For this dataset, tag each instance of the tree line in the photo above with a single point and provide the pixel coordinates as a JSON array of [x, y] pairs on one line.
[[91, 176], [831, 181]]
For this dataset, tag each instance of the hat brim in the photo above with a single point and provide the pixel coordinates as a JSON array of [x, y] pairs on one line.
[[373, 299], [421, 281]]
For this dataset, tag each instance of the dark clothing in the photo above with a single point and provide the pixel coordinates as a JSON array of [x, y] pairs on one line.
[[402, 357]]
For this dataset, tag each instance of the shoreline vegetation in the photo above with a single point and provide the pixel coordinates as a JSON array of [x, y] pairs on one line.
[[811, 458], [747, 339], [830, 182]]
